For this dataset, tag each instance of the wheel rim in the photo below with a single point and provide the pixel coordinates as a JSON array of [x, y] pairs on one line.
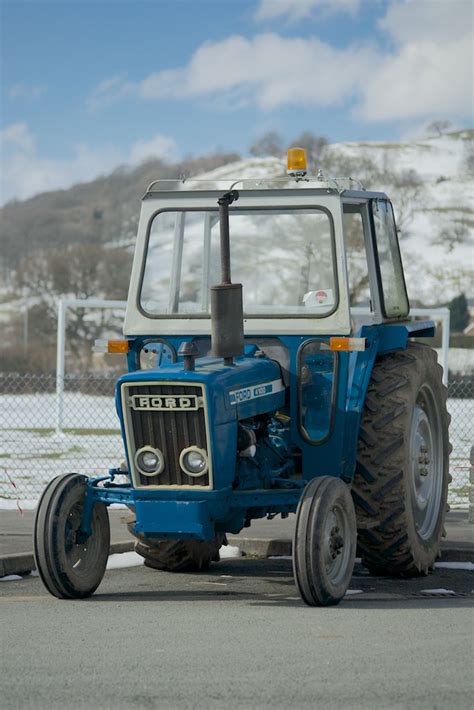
[[80, 557], [336, 544], [426, 456]]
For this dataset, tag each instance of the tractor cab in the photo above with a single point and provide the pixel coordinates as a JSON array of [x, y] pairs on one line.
[[305, 251]]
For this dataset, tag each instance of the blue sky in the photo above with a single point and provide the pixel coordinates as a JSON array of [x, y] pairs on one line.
[[88, 85]]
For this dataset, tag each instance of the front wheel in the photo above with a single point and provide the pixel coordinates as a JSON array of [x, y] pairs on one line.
[[69, 568], [324, 543]]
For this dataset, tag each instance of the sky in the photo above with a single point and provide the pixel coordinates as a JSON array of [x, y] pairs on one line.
[[88, 85]]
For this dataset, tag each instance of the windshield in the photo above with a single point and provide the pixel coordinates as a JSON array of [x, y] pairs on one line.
[[283, 258]]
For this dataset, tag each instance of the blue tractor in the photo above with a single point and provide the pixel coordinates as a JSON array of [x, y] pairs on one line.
[[302, 391]]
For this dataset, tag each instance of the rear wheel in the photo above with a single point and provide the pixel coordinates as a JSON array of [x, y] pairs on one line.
[[401, 483], [69, 568], [324, 542]]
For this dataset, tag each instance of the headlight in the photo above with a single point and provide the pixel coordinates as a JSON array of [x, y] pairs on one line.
[[194, 461], [149, 461]]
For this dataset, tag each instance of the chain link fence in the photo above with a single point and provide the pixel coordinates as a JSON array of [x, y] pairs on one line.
[[32, 450]]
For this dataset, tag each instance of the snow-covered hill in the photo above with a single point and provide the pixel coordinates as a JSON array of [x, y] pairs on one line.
[[435, 212], [432, 191]]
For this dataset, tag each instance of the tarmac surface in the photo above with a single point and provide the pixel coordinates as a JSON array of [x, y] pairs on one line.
[[237, 635]]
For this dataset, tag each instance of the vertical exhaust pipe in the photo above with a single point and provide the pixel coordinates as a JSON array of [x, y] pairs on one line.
[[227, 320]]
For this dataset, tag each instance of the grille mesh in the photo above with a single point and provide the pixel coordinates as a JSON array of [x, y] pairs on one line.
[[170, 431]]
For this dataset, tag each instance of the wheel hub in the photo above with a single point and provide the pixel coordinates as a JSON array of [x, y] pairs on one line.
[[336, 542], [426, 464], [335, 549]]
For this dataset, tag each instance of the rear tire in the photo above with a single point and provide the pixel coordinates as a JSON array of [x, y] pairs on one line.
[[324, 542], [401, 483], [68, 569]]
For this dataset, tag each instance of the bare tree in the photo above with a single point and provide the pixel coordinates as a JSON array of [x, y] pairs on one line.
[[82, 271], [438, 127], [270, 143], [407, 191], [450, 237]]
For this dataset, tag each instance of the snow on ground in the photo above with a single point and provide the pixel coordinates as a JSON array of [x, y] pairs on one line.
[[39, 410], [460, 360], [32, 452], [10, 578], [124, 559]]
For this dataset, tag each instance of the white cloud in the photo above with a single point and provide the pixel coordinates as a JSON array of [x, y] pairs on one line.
[[295, 10], [427, 20], [109, 91], [422, 71], [22, 90], [423, 79], [430, 71], [159, 146], [26, 173], [16, 136], [266, 70]]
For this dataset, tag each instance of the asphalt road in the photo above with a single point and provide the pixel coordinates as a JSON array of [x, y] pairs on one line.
[[238, 637]]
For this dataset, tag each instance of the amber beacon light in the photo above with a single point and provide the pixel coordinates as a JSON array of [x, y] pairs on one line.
[[296, 162]]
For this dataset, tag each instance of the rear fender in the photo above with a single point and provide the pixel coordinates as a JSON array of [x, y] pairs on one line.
[[380, 339]]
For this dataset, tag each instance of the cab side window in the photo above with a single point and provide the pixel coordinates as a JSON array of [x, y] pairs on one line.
[[356, 258], [393, 290]]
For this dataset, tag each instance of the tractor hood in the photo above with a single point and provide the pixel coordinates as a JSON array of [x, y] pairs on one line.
[[252, 386]]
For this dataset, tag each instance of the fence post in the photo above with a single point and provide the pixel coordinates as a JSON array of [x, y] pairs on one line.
[[60, 354], [445, 345], [471, 487]]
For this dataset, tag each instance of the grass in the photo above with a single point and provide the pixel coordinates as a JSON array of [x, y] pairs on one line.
[[77, 432], [462, 492]]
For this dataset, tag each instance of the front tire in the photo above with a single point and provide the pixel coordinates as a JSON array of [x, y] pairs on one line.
[[324, 542], [68, 568], [401, 484]]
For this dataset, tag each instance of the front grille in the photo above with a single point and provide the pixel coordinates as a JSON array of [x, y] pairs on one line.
[[169, 430]]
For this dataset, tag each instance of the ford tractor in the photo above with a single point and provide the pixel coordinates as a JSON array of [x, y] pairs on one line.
[[272, 369]]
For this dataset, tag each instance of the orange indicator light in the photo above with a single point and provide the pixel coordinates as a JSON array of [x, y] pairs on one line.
[[347, 344], [117, 346]]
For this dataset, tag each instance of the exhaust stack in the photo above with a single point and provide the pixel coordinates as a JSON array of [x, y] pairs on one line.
[[227, 321]]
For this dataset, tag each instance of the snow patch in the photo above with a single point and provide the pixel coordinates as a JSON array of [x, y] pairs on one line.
[[11, 504], [124, 559], [354, 591], [469, 566], [228, 551], [10, 578], [437, 591]]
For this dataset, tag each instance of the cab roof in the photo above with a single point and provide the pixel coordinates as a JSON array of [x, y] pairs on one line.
[[336, 186]]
